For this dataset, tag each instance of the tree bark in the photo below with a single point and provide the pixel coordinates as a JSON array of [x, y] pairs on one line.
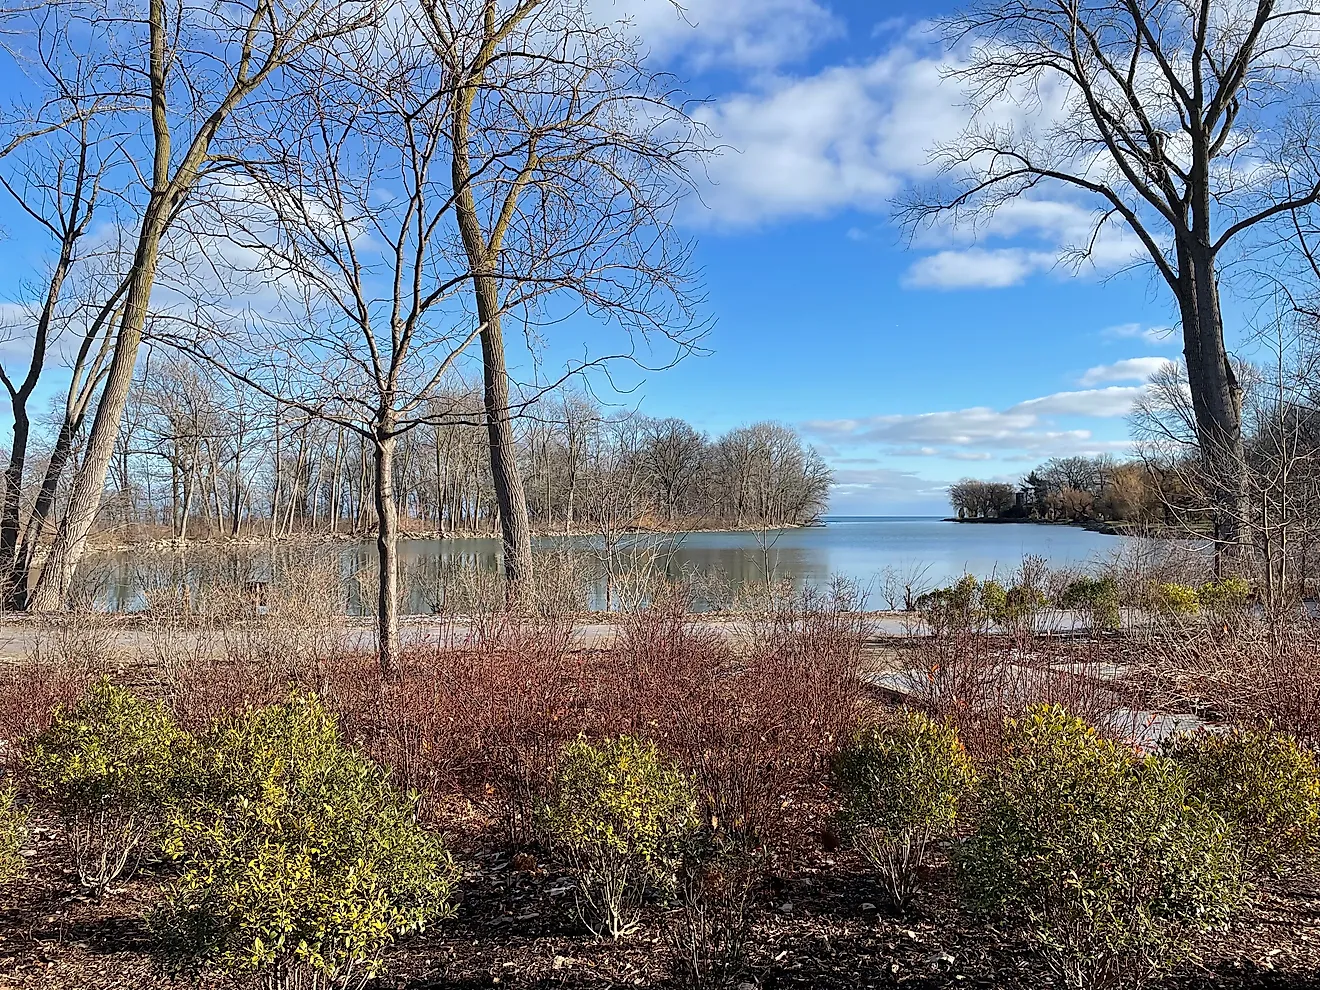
[[387, 552], [1217, 405], [66, 549], [510, 496]]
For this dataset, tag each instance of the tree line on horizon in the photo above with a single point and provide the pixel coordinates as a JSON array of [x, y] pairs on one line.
[[199, 458]]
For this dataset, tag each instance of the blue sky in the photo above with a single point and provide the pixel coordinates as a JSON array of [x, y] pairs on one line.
[[909, 364]]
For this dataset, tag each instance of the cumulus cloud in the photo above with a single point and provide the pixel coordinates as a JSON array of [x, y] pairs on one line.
[[1027, 429], [977, 268], [757, 34], [851, 137], [1130, 370], [1116, 400]]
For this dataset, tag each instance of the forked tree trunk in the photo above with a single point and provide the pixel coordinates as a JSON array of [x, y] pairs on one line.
[[52, 590]]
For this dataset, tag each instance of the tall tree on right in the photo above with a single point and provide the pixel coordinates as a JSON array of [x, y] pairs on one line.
[[1188, 122]]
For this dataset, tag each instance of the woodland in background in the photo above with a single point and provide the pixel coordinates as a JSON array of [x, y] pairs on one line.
[[1165, 489], [199, 457]]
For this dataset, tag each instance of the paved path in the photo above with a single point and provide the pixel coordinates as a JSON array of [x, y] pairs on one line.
[[130, 636]]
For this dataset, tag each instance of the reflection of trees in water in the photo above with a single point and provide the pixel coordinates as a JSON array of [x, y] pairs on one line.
[[435, 575]]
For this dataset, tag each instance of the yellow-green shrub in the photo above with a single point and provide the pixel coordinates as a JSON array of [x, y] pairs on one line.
[[1104, 857], [1174, 599], [12, 824], [621, 812], [1265, 785], [110, 763], [298, 861], [1225, 599], [901, 782], [1097, 597]]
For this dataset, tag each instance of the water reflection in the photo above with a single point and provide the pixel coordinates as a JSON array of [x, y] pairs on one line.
[[435, 571]]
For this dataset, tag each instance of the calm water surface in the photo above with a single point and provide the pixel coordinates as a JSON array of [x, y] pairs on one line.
[[857, 548]]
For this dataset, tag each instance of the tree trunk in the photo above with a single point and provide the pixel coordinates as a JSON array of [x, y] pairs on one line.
[[510, 497], [66, 549], [387, 552], [13, 498], [1217, 405]]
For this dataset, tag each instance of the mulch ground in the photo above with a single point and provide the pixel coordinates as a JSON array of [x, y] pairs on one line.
[[816, 926]]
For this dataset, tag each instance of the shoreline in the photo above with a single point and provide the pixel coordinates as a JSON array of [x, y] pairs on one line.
[[369, 535], [1102, 526]]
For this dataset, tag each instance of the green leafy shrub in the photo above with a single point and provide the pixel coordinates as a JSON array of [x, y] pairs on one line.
[[969, 603], [12, 824], [1225, 600], [1022, 604], [901, 782], [1265, 785], [299, 862], [622, 813], [1097, 597], [110, 762], [954, 607], [1103, 856], [1174, 600], [993, 600]]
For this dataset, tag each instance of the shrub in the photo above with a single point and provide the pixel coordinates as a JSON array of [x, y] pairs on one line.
[[1225, 599], [12, 823], [622, 813], [1097, 597], [1022, 603], [711, 929], [1174, 600], [1264, 784], [956, 607], [901, 782], [1102, 855], [299, 862], [109, 762]]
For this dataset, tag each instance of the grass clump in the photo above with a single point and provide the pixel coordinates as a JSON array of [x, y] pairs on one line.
[[299, 862], [622, 813], [901, 782], [110, 763], [1103, 857], [1266, 786]]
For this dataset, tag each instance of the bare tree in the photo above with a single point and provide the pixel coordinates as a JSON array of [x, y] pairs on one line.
[[185, 70], [1188, 124], [568, 156]]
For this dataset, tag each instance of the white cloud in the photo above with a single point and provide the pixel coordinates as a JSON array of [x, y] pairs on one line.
[[1025, 430], [977, 268], [1139, 369], [851, 137], [1152, 336], [1116, 400], [756, 34]]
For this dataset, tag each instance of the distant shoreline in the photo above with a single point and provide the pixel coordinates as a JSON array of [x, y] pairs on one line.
[[324, 539], [1103, 527]]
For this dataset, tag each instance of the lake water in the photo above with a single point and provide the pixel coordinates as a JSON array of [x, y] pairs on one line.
[[861, 549]]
